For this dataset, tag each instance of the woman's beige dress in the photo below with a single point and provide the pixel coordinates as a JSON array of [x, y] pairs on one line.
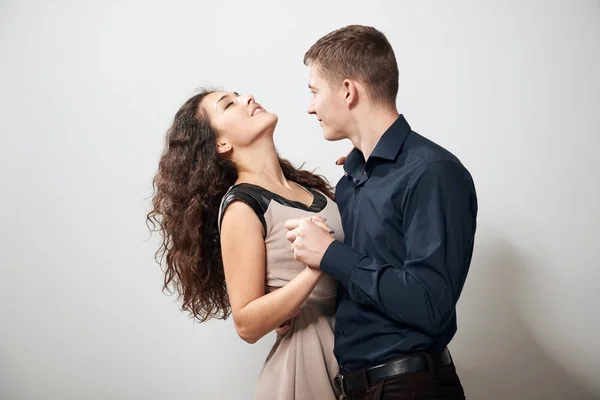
[[301, 364]]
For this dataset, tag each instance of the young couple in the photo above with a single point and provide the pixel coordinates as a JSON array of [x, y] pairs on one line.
[[361, 290]]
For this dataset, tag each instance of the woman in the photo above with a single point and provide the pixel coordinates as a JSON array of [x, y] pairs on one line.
[[222, 196]]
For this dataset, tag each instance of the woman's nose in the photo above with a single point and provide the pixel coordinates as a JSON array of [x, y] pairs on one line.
[[247, 99]]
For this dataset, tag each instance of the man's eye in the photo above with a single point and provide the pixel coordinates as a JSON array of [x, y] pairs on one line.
[[228, 104]]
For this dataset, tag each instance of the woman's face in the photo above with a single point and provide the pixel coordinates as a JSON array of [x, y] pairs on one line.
[[239, 120]]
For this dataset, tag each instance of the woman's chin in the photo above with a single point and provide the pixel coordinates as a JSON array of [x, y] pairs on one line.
[[272, 121], [268, 129], [273, 117]]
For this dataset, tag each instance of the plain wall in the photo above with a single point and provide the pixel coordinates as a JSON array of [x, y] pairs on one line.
[[87, 90]]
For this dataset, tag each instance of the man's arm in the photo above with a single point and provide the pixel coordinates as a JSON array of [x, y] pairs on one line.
[[439, 211]]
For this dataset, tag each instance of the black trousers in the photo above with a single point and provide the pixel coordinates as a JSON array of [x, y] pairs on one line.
[[441, 384]]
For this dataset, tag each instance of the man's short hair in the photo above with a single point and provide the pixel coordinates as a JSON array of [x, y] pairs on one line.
[[361, 53]]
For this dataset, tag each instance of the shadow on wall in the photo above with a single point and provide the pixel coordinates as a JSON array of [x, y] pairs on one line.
[[497, 357]]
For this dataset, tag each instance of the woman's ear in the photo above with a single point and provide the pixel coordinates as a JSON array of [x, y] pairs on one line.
[[223, 145]]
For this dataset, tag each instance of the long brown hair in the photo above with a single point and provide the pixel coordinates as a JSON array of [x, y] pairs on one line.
[[191, 180]]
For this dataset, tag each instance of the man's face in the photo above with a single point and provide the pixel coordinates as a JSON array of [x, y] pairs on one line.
[[328, 105]]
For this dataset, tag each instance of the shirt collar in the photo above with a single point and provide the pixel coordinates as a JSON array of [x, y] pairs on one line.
[[387, 147]]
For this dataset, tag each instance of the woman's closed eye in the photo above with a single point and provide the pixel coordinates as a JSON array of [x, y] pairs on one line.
[[228, 104]]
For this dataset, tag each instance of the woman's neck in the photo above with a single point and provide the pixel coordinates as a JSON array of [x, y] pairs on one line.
[[261, 167]]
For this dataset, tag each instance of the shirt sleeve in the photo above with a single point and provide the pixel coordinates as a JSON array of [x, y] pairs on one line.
[[439, 211]]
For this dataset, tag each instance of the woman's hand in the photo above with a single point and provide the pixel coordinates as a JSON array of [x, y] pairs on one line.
[[342, 160]]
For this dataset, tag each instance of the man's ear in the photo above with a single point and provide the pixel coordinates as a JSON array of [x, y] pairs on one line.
[[350, 92]]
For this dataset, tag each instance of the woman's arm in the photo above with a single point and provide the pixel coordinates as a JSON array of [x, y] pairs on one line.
[[255, 313]]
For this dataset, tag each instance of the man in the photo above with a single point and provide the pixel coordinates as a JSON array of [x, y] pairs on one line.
[[408, 209]]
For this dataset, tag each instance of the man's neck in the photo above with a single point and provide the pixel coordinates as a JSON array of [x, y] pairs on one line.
[[370, 125]]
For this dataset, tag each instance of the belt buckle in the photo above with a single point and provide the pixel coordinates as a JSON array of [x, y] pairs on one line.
[[339, 378]]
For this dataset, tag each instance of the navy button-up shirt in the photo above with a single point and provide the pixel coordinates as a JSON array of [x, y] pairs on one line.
[[409, 217]]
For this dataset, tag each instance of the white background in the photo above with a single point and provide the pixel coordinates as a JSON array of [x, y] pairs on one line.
[[87, 90]]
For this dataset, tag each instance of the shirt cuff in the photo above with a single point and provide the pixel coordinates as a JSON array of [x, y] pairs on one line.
[[338, 261]]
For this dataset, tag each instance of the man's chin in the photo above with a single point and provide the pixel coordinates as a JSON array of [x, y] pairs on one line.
[[332, 137]]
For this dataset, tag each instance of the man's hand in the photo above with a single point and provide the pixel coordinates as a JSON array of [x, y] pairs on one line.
[[284, 328], [309, 240]]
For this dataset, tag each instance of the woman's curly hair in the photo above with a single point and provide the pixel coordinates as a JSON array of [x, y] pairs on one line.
[[191, 180]]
